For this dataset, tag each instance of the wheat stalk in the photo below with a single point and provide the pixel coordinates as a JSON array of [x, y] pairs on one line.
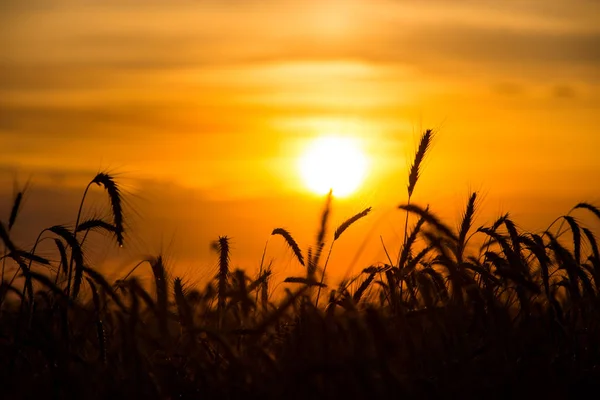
[[465, 226], [346, 224], [11, 221], [76, 258], [222, 246], [114, 195], [363, 287], [161, 283], [414, 173], [430, 219], [183, 308], [589, 207], [15, 210], [290, 242]]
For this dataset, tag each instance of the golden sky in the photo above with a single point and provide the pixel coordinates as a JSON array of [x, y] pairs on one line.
[[203, 108]]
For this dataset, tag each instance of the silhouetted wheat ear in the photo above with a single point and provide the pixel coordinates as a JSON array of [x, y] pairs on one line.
[[14, 254], [424, 145], [222, 246], [114, 194], [350, 221], [160, 281], [322, 229], [255, 285], [31, 257], [413, 262], [76, 255], [15, 210], [291, 243], [363, 287], [498, 222], [183, 308], [6, 239], [593, 243], [587, 206], [565, 260], [539, 250], [96, 224], [576, 237], [467, 219], [514, 235], [304, 281], [264, 289], [407, 247], [430, 219], [64, 263]]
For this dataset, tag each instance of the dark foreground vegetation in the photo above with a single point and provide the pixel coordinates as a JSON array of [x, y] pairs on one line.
[[517, 314]]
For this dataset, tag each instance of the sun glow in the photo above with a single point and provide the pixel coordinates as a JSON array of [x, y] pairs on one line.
[[335, 163]]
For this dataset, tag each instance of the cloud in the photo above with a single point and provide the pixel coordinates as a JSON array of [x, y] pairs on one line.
[[207, 91], [198, 36], [163, 216], [564, 91]]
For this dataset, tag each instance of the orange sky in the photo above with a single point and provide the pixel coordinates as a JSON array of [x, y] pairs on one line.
[[203, 108]]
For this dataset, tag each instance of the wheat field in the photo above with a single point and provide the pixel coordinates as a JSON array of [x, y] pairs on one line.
[[474, 312]]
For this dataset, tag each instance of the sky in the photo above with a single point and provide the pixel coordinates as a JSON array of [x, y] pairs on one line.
[[203, 108]]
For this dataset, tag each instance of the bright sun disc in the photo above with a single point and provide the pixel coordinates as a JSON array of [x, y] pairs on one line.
[[335, 163]]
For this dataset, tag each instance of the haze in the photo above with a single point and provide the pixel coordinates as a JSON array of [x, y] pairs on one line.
[[202, 108]]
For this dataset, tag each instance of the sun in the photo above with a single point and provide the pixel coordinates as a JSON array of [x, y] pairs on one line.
[[333, 163]]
